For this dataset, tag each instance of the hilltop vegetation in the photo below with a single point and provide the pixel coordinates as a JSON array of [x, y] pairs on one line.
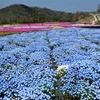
[[19, 13]]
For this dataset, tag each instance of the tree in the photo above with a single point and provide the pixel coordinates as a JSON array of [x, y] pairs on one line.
[[98, 10]]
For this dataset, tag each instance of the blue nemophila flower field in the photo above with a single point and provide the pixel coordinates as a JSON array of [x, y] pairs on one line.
[[28, 64]]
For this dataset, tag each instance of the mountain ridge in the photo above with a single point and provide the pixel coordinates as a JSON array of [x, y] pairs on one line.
[[19, 13]]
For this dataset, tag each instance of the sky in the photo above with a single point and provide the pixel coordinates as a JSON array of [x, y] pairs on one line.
[[57, 5]]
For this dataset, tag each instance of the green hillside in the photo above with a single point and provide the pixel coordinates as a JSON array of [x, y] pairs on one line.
[[19, 13]]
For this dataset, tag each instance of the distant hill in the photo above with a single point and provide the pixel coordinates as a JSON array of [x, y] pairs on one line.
[[19, 13]]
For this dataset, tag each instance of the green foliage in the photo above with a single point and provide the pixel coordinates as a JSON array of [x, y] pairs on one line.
[[19, 13], [98, 22]]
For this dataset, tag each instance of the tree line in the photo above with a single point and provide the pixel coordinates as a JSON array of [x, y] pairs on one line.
[[19, 13]]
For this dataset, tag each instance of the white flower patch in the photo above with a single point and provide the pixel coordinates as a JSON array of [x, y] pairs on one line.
[[61, 70]]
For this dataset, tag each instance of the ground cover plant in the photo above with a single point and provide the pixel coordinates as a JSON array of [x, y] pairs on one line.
[[29, 65]]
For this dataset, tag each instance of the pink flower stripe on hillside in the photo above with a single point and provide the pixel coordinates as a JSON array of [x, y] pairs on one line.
[[24, 28], [42, 26]]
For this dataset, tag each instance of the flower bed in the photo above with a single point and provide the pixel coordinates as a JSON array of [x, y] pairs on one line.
[[28, 64]]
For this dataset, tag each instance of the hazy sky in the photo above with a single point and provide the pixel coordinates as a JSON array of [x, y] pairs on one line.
[[58, 5]]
